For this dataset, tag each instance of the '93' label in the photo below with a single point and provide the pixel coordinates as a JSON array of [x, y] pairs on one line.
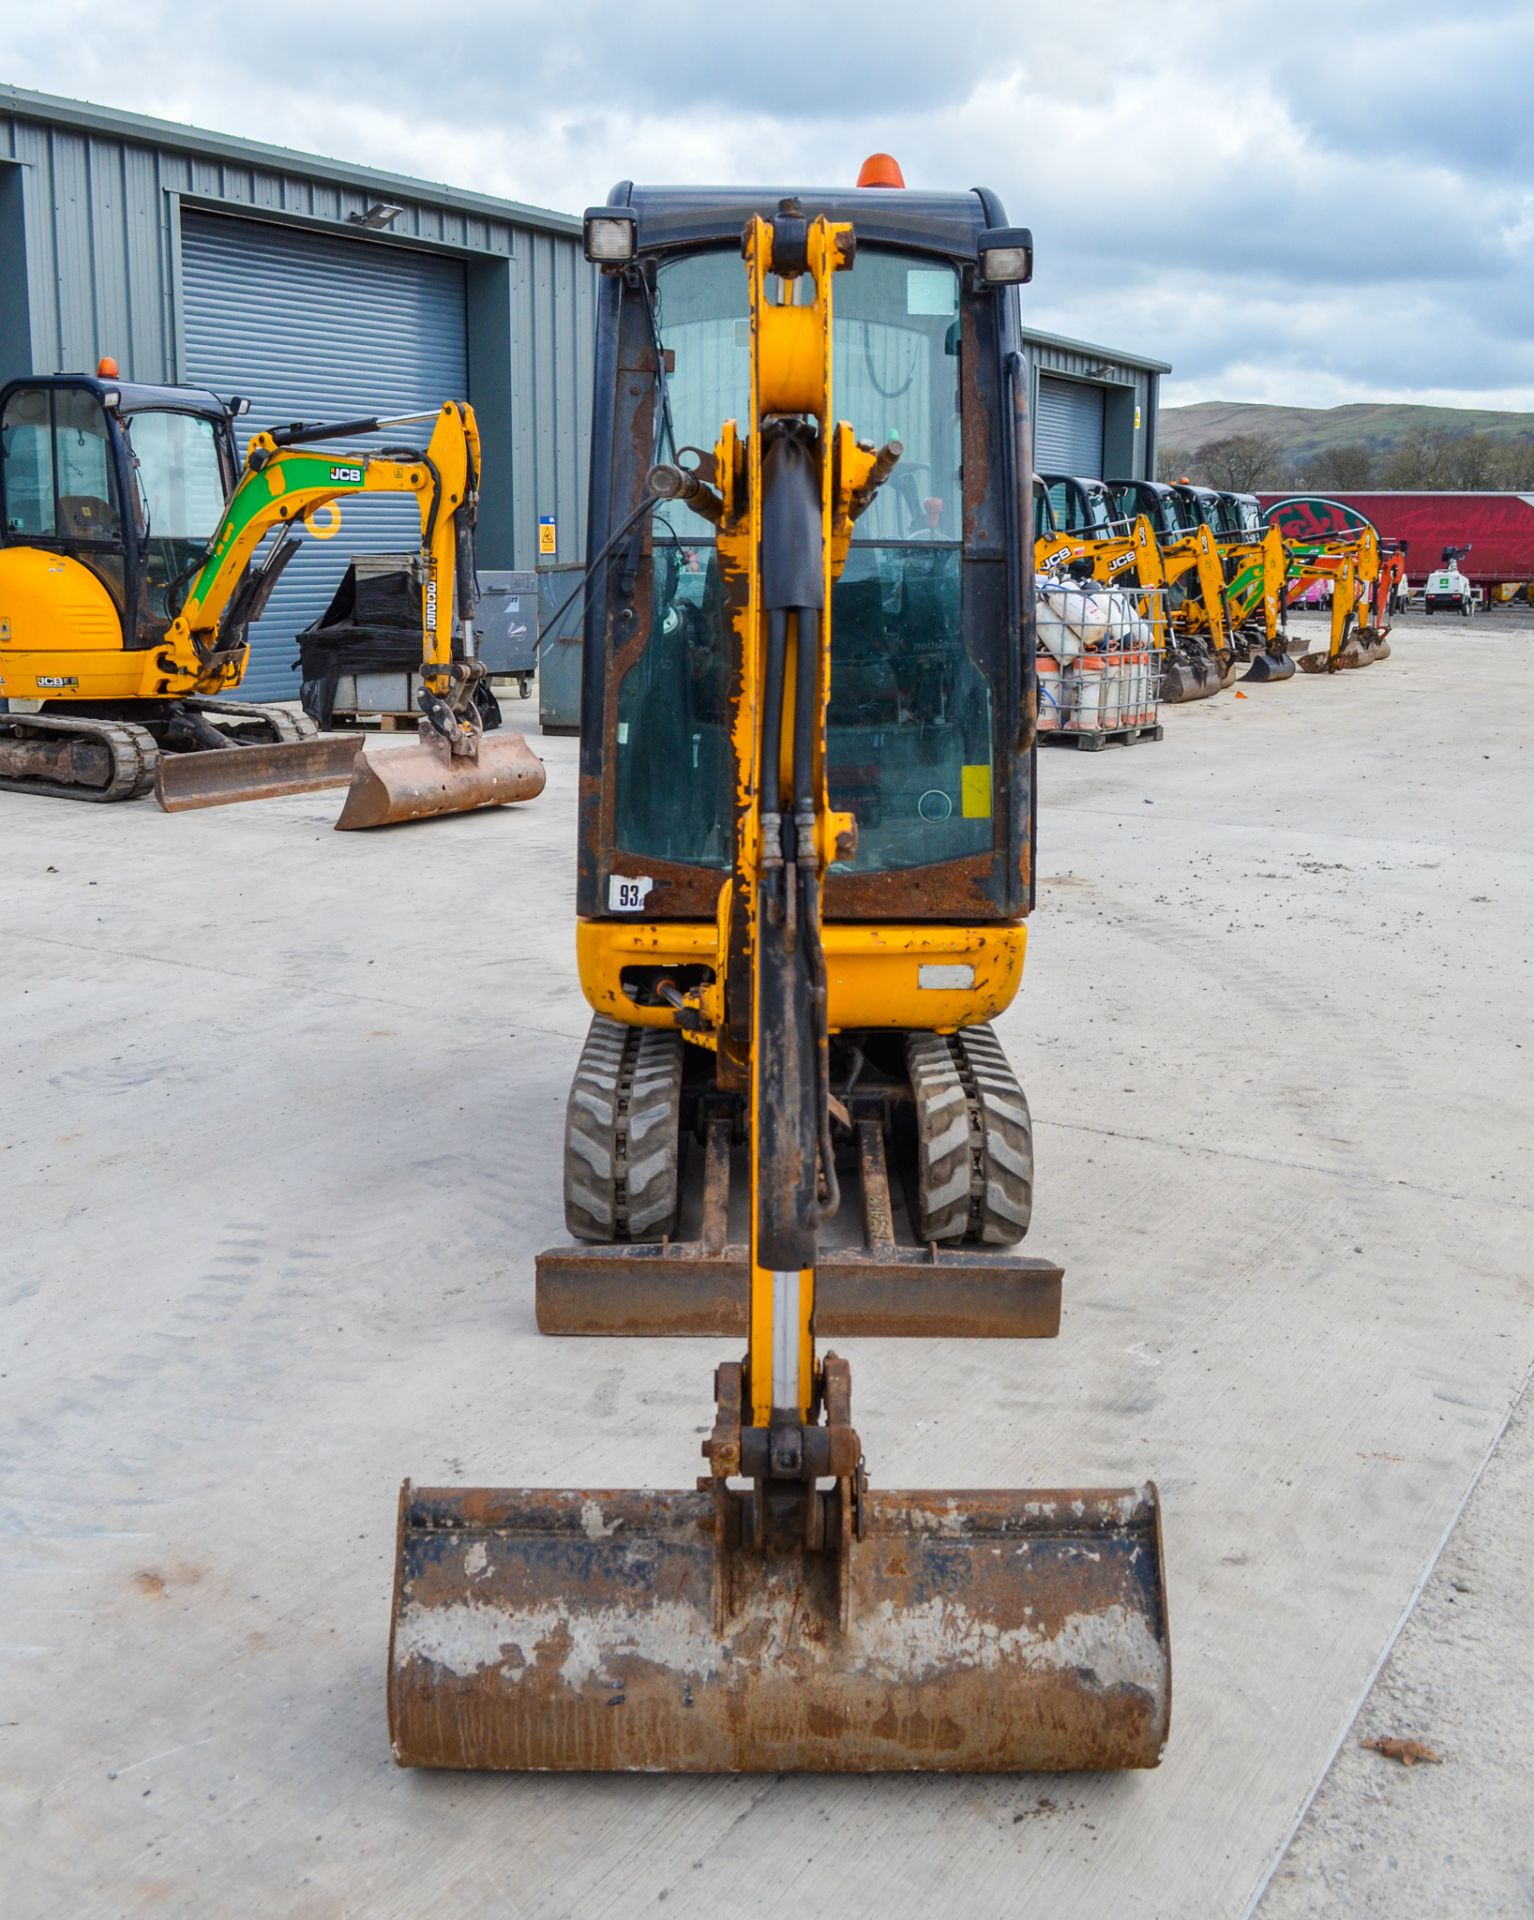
[[627, 893]]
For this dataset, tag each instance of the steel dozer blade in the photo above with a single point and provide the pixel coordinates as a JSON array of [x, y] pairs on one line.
[[218, 778], [418, 782], [1267, 667], [644, 1632]]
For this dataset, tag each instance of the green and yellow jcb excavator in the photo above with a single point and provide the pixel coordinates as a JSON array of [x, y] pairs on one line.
[[127, 593]]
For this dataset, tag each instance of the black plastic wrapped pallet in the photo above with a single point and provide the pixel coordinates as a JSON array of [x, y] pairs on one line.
[[372, 625]]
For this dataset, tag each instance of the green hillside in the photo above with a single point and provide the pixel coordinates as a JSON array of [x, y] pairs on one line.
[[1302, 431]]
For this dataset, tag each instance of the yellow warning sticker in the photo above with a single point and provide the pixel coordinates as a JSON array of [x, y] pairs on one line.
[[548, 534], [975, 793]]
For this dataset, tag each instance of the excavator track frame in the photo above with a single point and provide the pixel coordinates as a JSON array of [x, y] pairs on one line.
[[135, 755]]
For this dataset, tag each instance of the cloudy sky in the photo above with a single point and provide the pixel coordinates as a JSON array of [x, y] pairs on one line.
[[1290, 201]]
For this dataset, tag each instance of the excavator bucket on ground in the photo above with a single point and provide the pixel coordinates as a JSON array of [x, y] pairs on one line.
[[417, 782], [1268, 666], [220, 778], [1187, 675], [636, 1632]]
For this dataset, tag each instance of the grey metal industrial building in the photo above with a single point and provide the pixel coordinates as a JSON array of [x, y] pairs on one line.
[[1094, 408], [320, 290], [316, 289]]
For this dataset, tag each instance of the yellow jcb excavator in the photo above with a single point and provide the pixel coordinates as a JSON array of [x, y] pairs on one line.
[[1128, 557], [1197, 659], [805, 856], [1361, 573], [126, 594]]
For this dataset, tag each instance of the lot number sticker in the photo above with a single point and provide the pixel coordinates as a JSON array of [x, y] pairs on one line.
[[626, 893]]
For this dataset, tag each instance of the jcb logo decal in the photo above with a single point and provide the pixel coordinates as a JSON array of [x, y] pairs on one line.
[[352, 476]]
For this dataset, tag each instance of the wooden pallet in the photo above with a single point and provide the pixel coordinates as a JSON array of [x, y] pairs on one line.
[[1095, 742]]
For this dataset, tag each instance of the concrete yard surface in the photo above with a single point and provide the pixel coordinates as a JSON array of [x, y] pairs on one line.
[[1452, 1835], [280, 1138]]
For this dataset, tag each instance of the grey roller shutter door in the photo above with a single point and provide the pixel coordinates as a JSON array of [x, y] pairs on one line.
[[1068, 429], [310, 326]]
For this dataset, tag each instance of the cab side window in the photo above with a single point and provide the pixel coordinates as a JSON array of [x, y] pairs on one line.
[[85, 490], [59, 478], [26, 443]]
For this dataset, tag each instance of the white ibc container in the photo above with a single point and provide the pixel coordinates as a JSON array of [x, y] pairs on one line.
[[1051, 694], [1071, 617], [1086, 712]]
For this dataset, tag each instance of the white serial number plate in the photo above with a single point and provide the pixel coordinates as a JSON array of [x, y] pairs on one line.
[[627, 893], [945, 978]]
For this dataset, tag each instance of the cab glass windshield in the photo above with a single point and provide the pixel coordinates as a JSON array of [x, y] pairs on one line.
[[909, 727], [179, 487]]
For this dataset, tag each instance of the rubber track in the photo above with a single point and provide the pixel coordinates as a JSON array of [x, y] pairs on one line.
[[974, 1139], [623, 1133], [284, 722], [134, 756]]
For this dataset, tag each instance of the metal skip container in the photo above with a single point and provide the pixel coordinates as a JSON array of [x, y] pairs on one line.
[[643, 1631]]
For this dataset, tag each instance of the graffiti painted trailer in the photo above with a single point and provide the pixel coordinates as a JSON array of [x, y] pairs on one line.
[[1496, 528]]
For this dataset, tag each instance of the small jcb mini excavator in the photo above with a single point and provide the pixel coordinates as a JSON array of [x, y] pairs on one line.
[[126, 595], [1362, 572], [1255, 568], [1128, 556], [806, 829], [1198, 659]]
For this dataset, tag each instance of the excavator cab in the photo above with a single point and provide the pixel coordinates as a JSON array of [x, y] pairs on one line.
[[110, 494], [1155, 500], [805, 858], [126, 484], [928, 686], [1082, 507]]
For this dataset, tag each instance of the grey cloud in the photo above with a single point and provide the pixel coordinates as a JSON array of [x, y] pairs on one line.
[[1333, 199]]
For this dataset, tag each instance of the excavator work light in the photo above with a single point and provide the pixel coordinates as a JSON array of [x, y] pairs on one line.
[[610, 234], [1006, 256]]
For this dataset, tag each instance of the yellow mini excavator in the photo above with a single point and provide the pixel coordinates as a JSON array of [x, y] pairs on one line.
[[1197, 659], [807, 806], [1362, 574], [126, 594]]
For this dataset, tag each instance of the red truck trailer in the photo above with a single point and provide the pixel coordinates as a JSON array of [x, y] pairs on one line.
[[1497, 528]]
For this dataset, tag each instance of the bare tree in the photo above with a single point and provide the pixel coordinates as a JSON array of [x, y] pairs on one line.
[[1240, 463], [1422, 459], [1513, 463], [1339, 468], [1473, 461], [1173, 462]]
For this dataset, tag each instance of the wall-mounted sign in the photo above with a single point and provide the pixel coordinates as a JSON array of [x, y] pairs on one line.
[[548, 535]]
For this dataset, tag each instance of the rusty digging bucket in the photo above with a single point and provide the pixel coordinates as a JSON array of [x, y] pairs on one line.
[[223, 775], [1269, 666], [963, 1632], [1185, 678], [420, 781]]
